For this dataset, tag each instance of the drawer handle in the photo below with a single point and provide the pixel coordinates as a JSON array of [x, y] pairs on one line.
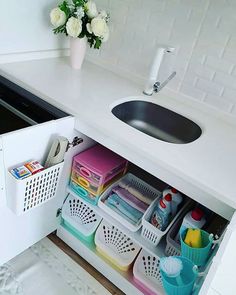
[[82, 191], [85, 172], [83, 182]]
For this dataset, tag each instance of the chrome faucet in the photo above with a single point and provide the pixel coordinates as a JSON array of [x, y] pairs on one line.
[[152, 84]]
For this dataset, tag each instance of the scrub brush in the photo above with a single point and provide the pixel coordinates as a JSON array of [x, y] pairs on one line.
[[172, 267]]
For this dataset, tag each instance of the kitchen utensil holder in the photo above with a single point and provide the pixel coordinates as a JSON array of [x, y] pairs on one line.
[[33, 191], [140, 186], [80, 219], [149, 232], [115, 246]]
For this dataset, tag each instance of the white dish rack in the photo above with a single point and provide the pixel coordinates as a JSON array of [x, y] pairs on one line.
[[33, 191], [139, 185]]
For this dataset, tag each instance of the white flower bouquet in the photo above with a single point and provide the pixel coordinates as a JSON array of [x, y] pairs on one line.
[[79, 19]]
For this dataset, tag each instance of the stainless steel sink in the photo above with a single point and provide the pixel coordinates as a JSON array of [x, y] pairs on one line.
[[157, 121]]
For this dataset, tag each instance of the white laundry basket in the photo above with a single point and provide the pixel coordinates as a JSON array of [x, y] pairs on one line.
[[33, 191]]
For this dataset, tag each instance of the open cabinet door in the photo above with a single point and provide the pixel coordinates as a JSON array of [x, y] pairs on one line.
[[18, 232]]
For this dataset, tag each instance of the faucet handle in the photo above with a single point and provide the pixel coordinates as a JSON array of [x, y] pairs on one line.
[[156, 86]]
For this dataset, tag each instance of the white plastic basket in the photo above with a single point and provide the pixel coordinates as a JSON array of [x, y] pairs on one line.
[[147, 273], [33, 191], [80, 216], [149, 231], [140, 186], [172, 247], [115, 246]]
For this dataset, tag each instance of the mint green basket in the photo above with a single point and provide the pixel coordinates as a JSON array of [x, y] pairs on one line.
[[198, 256], [80, 219]]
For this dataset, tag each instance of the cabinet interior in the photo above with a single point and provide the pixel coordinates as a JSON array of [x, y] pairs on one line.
[[124, 280]]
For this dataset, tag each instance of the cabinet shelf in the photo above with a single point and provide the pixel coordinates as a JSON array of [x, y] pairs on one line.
[[136, 236]]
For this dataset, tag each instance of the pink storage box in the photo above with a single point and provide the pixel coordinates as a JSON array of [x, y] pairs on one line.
[[98, 166]]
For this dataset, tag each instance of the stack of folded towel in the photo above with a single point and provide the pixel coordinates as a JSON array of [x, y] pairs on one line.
[[128, 201]]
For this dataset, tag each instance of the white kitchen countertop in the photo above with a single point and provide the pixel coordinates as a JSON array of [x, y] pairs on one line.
[[204, 169]]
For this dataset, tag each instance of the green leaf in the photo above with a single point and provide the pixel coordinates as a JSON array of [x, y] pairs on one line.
[[98, 43], [79, 3], [65, 7]]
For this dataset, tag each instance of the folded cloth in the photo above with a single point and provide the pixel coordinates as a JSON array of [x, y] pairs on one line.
[[130, 199], [115, 201]]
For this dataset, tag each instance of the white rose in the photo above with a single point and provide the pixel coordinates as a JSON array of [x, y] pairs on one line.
[[58, 17], [103, 14], [99, 27], [91, 9], [74, 27]]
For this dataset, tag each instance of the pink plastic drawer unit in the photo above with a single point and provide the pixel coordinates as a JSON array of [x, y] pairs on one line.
[[97, 166]]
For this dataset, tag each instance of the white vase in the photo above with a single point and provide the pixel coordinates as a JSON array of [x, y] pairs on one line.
[[77, 52]]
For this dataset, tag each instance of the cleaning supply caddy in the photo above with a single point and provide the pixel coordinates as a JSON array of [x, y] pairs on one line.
[[158, 219], [93, 170]]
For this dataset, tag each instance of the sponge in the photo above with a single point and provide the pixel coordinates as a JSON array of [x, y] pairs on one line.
[[193, 238]]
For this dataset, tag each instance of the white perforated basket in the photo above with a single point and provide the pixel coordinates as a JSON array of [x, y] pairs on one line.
[[33, 191], [152, 234], [147, 273], [115, 246], [80, 216], [139, 185]]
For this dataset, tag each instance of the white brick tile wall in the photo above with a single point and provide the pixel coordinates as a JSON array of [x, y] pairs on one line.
[[202, 31]]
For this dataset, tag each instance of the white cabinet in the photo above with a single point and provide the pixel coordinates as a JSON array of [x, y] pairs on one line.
[[20, 232], [16, 148]]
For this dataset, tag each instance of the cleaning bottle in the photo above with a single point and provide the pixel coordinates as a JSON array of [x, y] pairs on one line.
[[193, 219], [161, 215], [176, 199]]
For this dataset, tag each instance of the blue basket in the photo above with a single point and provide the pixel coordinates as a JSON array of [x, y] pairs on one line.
[[198, 256], [188, 275]]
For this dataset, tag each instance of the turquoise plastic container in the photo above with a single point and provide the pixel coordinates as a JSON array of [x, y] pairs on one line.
[[198, 256], [88, 239], [188, 275]]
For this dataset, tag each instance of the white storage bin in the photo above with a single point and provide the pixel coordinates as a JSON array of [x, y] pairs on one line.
[[140, 186], [115, 246], [150, 232], [147, 274], [33, 191], [80, 218]]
